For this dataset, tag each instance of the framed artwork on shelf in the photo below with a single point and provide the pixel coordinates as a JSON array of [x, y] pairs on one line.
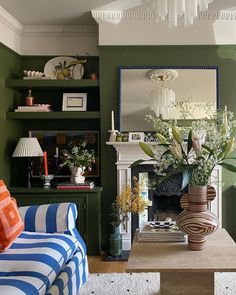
[[74, 102], [136, 136], [54, 142]]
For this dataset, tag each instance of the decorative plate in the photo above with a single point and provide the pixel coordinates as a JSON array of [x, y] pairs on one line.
[[64, 68]]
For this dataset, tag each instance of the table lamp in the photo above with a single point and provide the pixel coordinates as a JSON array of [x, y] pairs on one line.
[[28, 147]]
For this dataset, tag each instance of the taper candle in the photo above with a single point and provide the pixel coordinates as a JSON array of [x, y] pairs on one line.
[[45, 163], [112, 121]]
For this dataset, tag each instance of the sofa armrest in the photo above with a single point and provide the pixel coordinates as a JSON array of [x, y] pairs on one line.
[[50, 218]]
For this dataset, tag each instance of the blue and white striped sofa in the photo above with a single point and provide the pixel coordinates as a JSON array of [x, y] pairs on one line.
[[49, 257]]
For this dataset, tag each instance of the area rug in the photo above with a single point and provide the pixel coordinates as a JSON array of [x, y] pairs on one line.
[[144, 284]]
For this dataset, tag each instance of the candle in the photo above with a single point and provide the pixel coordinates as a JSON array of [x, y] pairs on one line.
[[57, 151], [112, 121], [45, 163], [226, 117]]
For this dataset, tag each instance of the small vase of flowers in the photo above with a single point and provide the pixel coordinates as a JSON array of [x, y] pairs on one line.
[[130, 200], [79, 160]]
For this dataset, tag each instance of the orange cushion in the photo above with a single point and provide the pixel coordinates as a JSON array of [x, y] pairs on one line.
[[11, 224]]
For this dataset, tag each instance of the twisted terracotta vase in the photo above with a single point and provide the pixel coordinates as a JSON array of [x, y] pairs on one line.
[[196, 220]]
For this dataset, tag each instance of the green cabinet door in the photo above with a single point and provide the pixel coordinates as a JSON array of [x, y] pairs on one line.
[[87, 201]]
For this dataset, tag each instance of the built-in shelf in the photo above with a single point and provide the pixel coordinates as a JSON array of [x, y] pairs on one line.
[[47, 84], [51, 115]]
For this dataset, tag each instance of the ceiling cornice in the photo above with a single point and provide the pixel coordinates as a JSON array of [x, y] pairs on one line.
[[60, 30], [75, 30], [115, 16], [9, 21]]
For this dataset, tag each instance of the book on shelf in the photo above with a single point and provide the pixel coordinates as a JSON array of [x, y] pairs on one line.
[[83, 185], [34, 108], [36, 78], [161, 232]]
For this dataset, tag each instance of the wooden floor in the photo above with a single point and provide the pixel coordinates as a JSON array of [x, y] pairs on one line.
[[97, 265]]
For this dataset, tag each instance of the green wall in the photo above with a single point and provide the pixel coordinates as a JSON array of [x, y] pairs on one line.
[[10, 66], [110, 57]]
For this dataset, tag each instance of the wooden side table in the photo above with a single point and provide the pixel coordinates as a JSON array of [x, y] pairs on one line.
[[183, 271]]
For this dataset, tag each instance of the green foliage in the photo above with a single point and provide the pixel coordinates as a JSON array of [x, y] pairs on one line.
[[209, 143], [76, 155]]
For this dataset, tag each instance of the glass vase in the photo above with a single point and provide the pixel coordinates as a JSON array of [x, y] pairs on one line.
[[115, 242]]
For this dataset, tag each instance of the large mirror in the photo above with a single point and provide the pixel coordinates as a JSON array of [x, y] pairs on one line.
[[166, 92]]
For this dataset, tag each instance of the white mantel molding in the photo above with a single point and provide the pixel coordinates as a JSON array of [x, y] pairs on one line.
[[127, 153]]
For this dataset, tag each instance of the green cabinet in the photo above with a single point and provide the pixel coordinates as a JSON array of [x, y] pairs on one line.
[[87, 202]]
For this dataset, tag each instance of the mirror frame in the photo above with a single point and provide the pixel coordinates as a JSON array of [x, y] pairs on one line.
[[121, 68]]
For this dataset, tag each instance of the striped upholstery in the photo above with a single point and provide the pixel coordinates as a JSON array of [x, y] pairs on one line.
[[50, 218], [71, 278], [45, 262]]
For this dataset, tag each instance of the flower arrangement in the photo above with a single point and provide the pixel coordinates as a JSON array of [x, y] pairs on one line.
[[129, 201], [76, 155], [195, 153]]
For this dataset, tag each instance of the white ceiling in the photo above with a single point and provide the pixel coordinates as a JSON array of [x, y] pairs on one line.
[[75, 12]]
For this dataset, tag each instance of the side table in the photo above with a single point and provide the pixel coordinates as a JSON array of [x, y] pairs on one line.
[[183, 271]]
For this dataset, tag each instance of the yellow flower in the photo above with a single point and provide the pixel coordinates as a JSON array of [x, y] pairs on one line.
[[131, 200]]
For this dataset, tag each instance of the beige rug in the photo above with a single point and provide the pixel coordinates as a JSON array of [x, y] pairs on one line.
[[145, 284]]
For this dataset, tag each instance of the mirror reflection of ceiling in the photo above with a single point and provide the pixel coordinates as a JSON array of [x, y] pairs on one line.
[[195, 87]]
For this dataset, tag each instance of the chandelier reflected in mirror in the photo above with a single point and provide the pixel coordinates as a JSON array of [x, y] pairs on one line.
[[162, 98], [172, 9]]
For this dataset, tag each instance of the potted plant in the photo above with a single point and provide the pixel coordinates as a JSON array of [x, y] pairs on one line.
[[194, 153], [79, 160], [130, 200]]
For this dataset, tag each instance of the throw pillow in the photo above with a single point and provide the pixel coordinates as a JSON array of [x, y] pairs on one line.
[[11, 224]]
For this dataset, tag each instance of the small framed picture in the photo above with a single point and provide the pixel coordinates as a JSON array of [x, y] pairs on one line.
[[136, 136], [74, 102]]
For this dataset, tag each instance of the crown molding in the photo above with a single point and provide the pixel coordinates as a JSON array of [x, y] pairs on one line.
[[10, 22], [71, 30], [117, 16]]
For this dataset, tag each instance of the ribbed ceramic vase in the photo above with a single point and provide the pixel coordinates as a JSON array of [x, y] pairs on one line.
[[196, 220]]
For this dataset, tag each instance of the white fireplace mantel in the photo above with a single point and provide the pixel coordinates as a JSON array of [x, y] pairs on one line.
[[127, 153]]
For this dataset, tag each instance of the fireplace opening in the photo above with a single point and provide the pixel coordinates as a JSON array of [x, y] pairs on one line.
[[165, 198]]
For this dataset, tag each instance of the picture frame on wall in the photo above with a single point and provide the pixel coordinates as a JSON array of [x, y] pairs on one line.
[[54, 142], [74, 102], [136, 136]]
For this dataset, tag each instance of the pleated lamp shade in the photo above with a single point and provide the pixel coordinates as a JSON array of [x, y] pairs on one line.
[[28, 147]]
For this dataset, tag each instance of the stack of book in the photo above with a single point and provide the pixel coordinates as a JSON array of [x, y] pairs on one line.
[[161, 232], [34, 108], [83, 185]]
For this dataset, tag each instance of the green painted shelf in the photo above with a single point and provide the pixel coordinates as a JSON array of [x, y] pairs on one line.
[[51, 115], [47, 84]]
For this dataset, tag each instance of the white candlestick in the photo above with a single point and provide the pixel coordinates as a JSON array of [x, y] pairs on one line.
[[112, 121], [57, 151], [225, 115]]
